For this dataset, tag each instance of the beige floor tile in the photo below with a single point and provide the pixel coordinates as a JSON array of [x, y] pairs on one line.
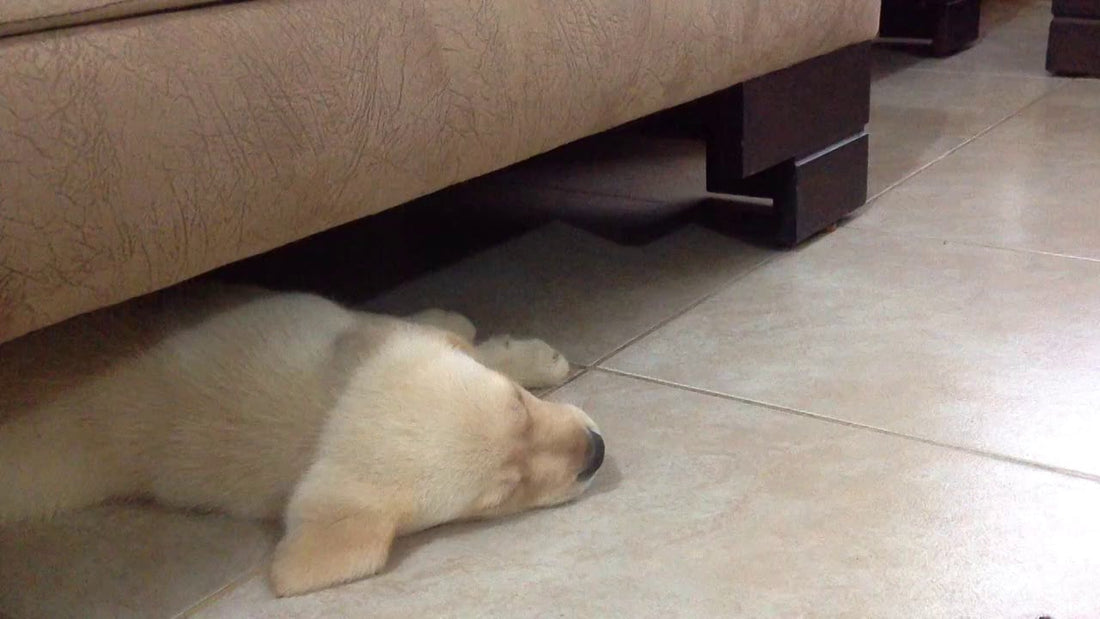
[[919, 116], [991, 349], [1065, 122], [123, 562], [953, 103], [584, 295], [712, 508], [1030, 183], [900, 149]]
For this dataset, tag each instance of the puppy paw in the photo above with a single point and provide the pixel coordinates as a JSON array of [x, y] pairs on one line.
[[448, 321], [532, 363]]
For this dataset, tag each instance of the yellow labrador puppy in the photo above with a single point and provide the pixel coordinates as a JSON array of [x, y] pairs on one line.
[[352, 427]]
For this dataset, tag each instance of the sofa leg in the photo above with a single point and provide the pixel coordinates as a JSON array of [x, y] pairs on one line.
[[795, 136], [947, 26], [812, 194], [1073, 48]]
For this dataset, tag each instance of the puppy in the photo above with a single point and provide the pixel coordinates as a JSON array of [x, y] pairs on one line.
[[352, 427]]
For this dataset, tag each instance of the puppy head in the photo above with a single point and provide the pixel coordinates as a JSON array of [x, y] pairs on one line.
[[426, 435], [541, 453]]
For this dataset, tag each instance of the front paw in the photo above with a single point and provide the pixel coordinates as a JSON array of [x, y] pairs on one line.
[[532, 363]]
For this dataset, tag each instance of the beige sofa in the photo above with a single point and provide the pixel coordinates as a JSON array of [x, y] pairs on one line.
[[143, 142]]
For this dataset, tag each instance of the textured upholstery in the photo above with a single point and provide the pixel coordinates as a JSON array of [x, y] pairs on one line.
[[19, 16], [138, 152]]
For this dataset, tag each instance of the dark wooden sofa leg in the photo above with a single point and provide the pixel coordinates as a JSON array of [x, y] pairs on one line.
[[947, 26], [1073, 48], [796, 136]]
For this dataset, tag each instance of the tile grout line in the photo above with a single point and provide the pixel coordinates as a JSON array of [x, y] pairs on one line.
[[855, 224], [1019, 250], [551, 391], [221, 593], [1049, 468], [720, 288], [954, 149], [971, 244]]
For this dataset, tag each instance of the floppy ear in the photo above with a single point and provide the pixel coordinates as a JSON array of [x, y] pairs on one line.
[[329, 548], [335, 532]]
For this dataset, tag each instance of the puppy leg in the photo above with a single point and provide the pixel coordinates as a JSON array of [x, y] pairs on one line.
[[331, 536], [531, 363], [447, 321]]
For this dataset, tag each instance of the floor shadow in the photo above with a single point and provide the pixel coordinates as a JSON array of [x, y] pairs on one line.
[[890, 58], [367, 257]]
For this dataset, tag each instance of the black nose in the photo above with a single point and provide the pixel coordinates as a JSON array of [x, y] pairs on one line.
[[595, 456]]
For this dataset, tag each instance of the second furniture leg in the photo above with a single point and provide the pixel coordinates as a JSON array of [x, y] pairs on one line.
[[949, 26]]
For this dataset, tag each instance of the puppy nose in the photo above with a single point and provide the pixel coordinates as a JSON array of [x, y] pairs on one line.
[[595, 456]]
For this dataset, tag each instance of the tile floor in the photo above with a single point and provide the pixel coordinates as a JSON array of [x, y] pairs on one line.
[[896, 420]]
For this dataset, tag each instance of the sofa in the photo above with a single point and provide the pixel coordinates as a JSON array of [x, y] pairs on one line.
[[144, 142]]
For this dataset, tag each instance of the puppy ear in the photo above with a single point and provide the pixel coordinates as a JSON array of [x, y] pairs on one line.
[[322, 552], [334, 533]]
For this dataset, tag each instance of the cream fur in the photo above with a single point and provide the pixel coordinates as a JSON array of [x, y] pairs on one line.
[[351, 427]]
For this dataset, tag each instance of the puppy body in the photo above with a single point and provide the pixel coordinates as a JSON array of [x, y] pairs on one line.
[[353, 427], [220, 410]]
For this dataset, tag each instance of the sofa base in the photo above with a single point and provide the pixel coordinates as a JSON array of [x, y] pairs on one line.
[[1073, 47], [946, 27], [811, 195], [796, 137]]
